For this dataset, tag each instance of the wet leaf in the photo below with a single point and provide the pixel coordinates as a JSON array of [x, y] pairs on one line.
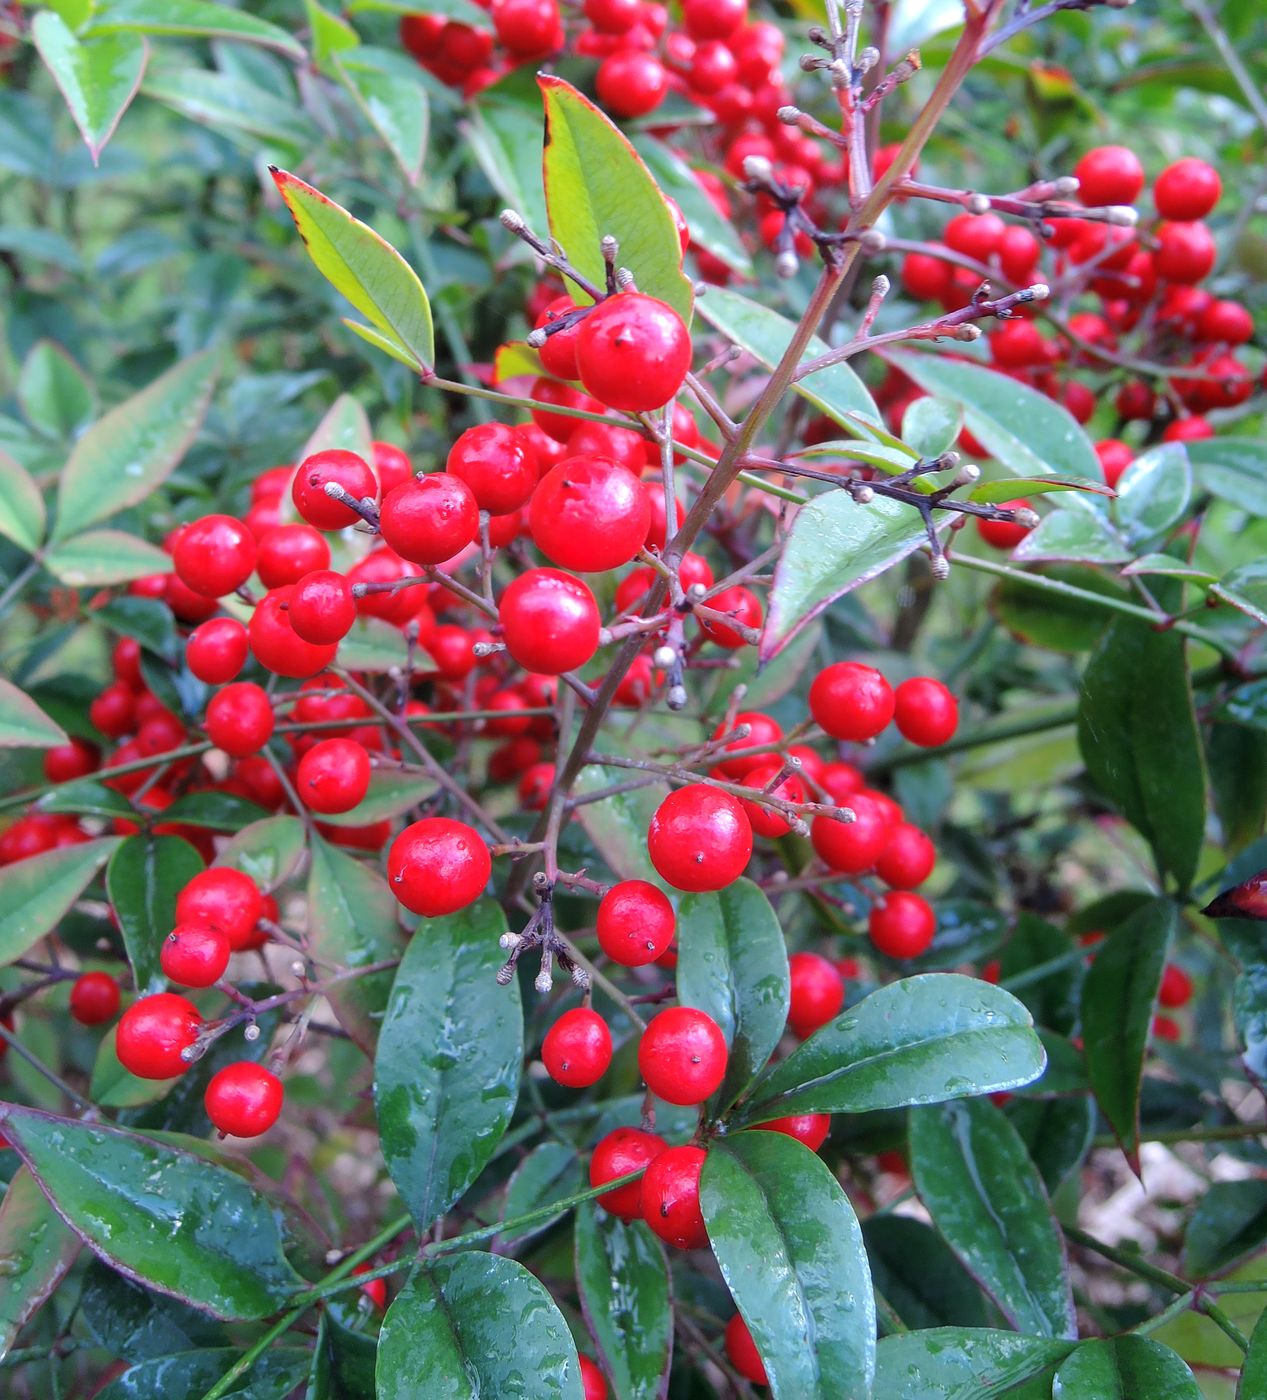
[[37, 1250], [1124, 1368], [144, 878], [961, 1363], [97, 77], [99, 557], [391, 792], [918, 1274], [35, 893], [272, 1377], [23, 725], [1154, 493], [268, 851], [1230, 1221], [550, 1172]]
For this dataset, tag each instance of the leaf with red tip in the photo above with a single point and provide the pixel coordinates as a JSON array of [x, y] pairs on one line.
[[1247, 900], [97, 77]]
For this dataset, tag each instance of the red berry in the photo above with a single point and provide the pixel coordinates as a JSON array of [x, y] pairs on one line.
[[152, 1033], [612, 17], [926, 278], [338, 467], [1018, 344], [528, 28], [713, 66], [277, 646], [437, 866], [713, 19], [333, 776], [288, 552], [558, 354], [495, 463], [555, 425], [901, 924], [589, 514], [670, 1197], [635, 923], [430, 519], [1135, 402], [765, 820], [94, 998], [925, 711], [1176, 987], [195, 955], [322, 608], [851, 701], [743, 1353], [620, 445], [217, 650], [631, 84], [1115, 456], [817, 993], [550, 621], [222, 898], [1019, 252], [1226, 322], [975, 235], [633, 352], [1166, 1028], [852, 847], [1194, 428], [742, 606], [187, 605], [682, 1055], [1109, 175], [593, 1386], [908, 859], [762, 730], [535, 786], [214, 555], [240, 719], [375, 1290], [699, 838], [633, 589], [1185, 252], [623, 1150], [577, 1049], [113, 712], [1187, 190], [75, 759], [1004, 534], [243, 1099], [808, 1128], [391, 465]]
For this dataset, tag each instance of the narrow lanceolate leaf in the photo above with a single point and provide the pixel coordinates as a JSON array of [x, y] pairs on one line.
[[449, 1056], [54, 393], [21, 505], [395, 106], [791, 1253], [732, 963], [988, 1202], [267, 851], [835, 546], [124, 456], [623, 1279], [353, 921], [201, 18], [1253, 1380], [1009, 487], [35, 893], [596, 184], [473, 1327], [1230, 1221], [171, 1220], [37, 1249], [1138, 736], [919, 1041], [364, 268], [273, 1376], [551, 1172], [97, 77], [144, 877], [99, 557], [966, 1363], [1117, 1011], [1124, 1368], [23, 725]]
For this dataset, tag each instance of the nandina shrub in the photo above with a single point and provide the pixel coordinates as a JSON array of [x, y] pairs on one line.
[[538, 858]]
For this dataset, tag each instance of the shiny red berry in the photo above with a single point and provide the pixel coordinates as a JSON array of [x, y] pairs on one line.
[[1187, 190], [593, 1386], [1115, 456], [333, 776], [153, 1032], [743, 1353], [589, 514], [495, 464], [1109, 175], [430, 519], [817, 993], [908, 859], [340, 468], [851, 701], [901, 924], [1004, 534], [743, 609], [558, 353], [277, 646], [811, 1129], [195, 955], [321, 608], [391, 465], [682, 1055], [240, 719], [622, 1151], [528, 28], [217, 650], [243, 1099], [631, 84], [222, 898], [74, 759], [926, 712], [852, 847], [762, 730], [670, 1197], [577, 1049], [1176, 987], [437, 866], [214, 555], [94, 998], [550, 621], [288, 552], [633, 352], [635, 923], [699, 838], [1185, 252], [113, 712]]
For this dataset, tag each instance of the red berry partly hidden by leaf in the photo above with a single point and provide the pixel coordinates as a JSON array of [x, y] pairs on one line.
[[1176, 987], [153, 1032], [94, 998], [622, 1151], [902, 924], [195, 955], [223, 898], [633, 352], [593, 1386], [240, 719], [550, 621], [1115, 456], [244, 1099], [699, 838], [811, 1129], [851, 701], [333, 776], [1004, 534], [214, 555], [670, 1197], [817, 993], [577, 1049], [635, 923], [925, 711], [682, 1055], [437, 866], [74, 759], [743, 1353]]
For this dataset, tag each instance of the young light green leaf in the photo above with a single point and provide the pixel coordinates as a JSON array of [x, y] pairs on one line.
[[22, 514], [97, 77], [365, 268], [394, 105], [38, 1250], [331, 35], [124, 456], [932, 425], [966, 1363], [99, 557], [23, 725], [35, 893], [54, 392], [1071, 536], [498, 118], [200, 18], [1123, 1368], [268, 851], [1008, 488], [710, 230], [145, 876]]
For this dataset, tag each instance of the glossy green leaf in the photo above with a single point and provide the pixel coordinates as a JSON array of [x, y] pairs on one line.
[[617, 825], [881, 455], [268, 851], [218, 811], [194, 18], [146, 620], [54, 392], [112, 1086], [88, 798], [552, 1171], [835, 546], [23, 725], [373, 645], [918, 1041], [353, 921], [394, 105], [1050, 619], [932, 425], [1069, 536], [365, 268], [499, 117], [988, 1202], [1124, 1368], [732, 963], [99, 557], [1233, 469], [1236, 756], [174, 1221], [37, 1250], [135, 1323], [97, 77], [709, 229], [472, 1327], [961, 1363], [449, 1057], [1166, 566], [765, 335], [331, 35], [597, 185], [1117, 1013], [1154, 493], [35, 893], [1245, 589], [919, 1275], [1230, 1221], [623, 1280], [1053, 998], [1138, 737], [145, 876], [189, 1373], [1253, 1380], [391, 792], [1011, 487], [1057, 1134], [790, 1250], [233, 106], [22, 514], [1030, 434]]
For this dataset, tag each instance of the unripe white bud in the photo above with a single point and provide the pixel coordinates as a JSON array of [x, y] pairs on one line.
[[785, 264], [252, 1032], [978, 204], [663, 658], [939, 566], [757, 168], [789, 115], [512, 221]]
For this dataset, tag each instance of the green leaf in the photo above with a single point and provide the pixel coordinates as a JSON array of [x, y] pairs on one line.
[[365, 268], [1245, 588], [1030, 434], [394, 105], [1010, 487], [835, 545], [790, 1250], [112, 1086], [90, 799], [444, 1100], [709, 229], [596, 184], [1053, 998], [37, 1250], [1138, 737], [373, 645], [127, 454], [1051, 619], [35, 893], [465, 11], [219, 811], [22, 514], [988, 1202], [1117, 1013], [1057, 1134], [499, 116], [176, 1222], [932, 425], [960, 1363], [1230, 1221], [54, 392], [104, 556], [473, 1327], [550, 1172], [234, 106], [353, 921], [1167, 566], [23, 725], [391, 792], [732, 963], [1232, 469], [273, 1376], [1154, 492], [1236, 756], [617, 825], [918, 1041], [97, 77], [765, 335], [622, 1277], [146, 620], [331, 35], [881, 455], [1069, 536], [345, 426], [1254, 1373], [919, 1275], [190, 17], [135, 1323], [1124, 1368], [267, 851], [145, 875]]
